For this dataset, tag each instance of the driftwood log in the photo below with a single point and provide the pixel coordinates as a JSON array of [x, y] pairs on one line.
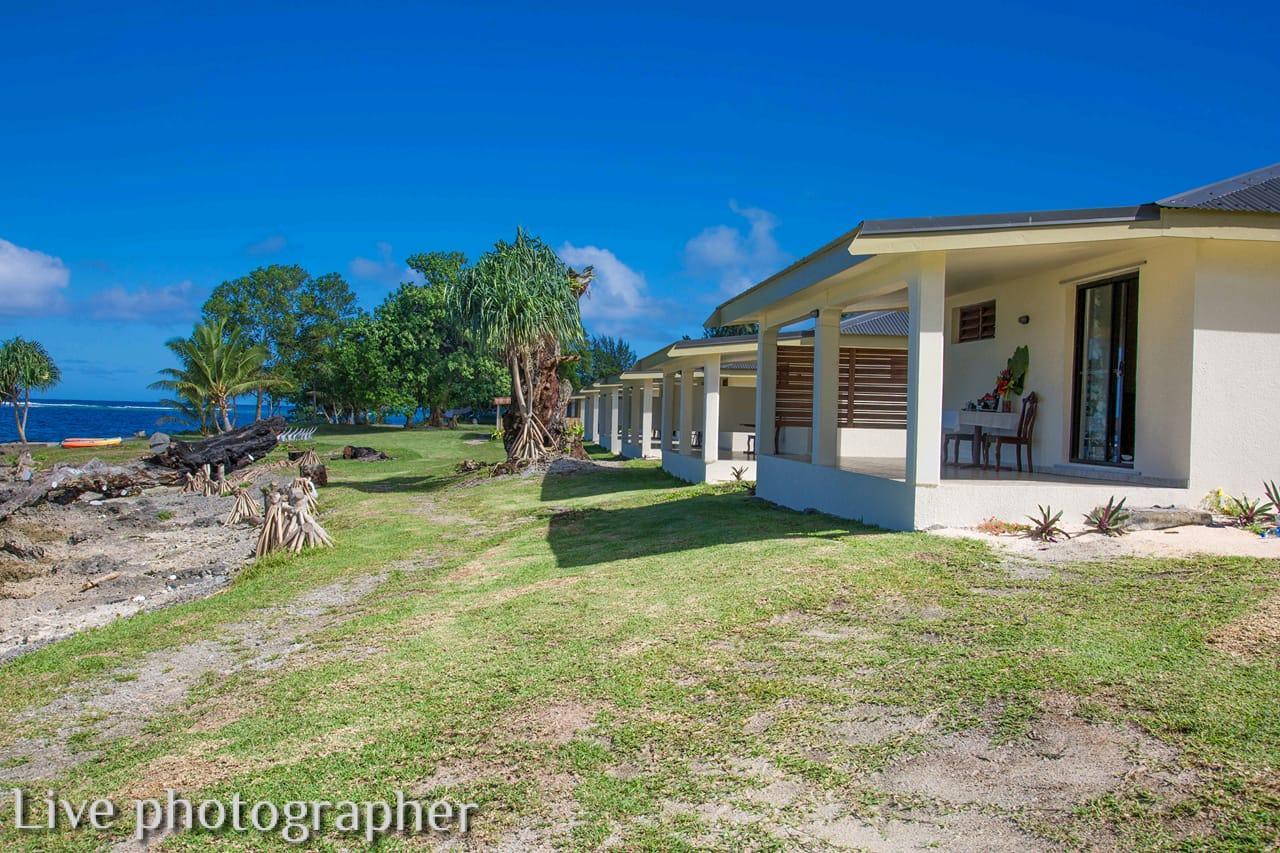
[[363, 454], [65, 483], [233, 450]]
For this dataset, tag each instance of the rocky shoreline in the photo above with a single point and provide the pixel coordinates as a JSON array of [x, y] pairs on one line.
[[160, 548]]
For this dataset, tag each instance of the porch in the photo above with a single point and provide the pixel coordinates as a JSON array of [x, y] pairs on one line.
[[870, 447]]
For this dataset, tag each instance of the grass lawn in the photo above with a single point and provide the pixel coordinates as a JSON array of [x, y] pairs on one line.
[[618, 658]]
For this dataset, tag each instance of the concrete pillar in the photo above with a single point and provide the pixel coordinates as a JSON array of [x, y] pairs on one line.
[[686, 410], [586, 418], [615, 411], [926, 301], [826, 386], [646, 418], [668, 409], [766, 389], [711, 409]]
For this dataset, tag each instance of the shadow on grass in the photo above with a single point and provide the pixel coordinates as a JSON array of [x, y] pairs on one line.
[[411, 483], [675, 525], [560, 487]]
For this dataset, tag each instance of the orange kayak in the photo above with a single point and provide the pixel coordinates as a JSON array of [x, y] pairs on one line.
[[90, 442]]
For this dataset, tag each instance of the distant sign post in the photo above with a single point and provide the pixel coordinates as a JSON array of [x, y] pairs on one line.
[[498, 403]]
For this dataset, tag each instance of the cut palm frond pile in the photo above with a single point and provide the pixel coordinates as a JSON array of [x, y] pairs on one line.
[[244, 509], [289, 523]]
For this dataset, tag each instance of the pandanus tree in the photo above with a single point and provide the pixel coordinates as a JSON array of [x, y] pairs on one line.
[[25, 366], [521, 301], [217, 365]]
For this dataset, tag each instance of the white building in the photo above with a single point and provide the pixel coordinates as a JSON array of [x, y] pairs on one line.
[[1154, 335]]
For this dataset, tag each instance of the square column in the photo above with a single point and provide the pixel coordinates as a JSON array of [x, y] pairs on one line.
[[926, 301], [711, 409], [646, 418], [668, 410], [615, 410], [766, 390], [686, 410], [628, 399], [588, 418], [826, 386]]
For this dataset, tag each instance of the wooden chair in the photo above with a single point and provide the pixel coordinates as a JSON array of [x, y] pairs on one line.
[[1023, 438], [952, 432]]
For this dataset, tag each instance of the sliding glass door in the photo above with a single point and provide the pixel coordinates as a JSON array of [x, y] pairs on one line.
[[1106, 369]]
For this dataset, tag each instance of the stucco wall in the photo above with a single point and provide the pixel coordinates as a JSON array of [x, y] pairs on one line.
[[1166, 275], [802, 486], [1235, 427]]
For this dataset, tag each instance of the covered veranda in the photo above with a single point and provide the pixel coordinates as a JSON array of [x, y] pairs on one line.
[[1031, 277]]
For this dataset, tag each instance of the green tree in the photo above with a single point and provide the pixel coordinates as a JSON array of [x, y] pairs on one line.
[[521, 301], [730, 331], [217, 364], [359, 375], [25, 366], [295, 317], [438, 364], [326, 305], [601, 357]]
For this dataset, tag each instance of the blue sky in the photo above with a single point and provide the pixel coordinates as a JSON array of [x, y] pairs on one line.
[[150, 153]]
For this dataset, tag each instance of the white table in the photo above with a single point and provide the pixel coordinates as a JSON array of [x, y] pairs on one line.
[[981, 421]]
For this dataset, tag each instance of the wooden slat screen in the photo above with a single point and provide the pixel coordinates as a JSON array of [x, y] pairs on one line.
[[794, 397], [875, 380], [878, 388], [976, 322]]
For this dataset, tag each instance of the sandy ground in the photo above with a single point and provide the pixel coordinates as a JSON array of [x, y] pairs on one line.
[[167, 546], [1176, 542]]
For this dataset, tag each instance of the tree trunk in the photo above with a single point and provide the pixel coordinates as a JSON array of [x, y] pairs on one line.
[[257, 414], [231, 449], [18, 421]]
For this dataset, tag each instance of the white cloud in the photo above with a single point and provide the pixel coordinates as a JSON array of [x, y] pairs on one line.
[[384, 268], [173, 303], [735, 259], [31, 282], [618, 301], [269, 245]]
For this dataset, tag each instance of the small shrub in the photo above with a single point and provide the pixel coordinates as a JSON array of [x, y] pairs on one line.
[[999, 527], [1247, 512], [164, 515], [1215, 502], [738, 472], [497, 434], [1110, 520], [1046, 527]]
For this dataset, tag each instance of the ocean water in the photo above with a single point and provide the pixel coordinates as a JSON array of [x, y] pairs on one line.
[[54, 420]]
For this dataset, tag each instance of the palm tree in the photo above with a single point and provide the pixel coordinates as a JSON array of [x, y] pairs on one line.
[[521, 300], [25, 366], [218, 364]]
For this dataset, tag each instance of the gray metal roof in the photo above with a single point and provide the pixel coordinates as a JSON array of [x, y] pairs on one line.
[[1253, 192], [875, 323], [986, 221]]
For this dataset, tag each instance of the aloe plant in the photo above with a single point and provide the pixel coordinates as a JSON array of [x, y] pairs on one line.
[[1110, 520], [1046, 527]]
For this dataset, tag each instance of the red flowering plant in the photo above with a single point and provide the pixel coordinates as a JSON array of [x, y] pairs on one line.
[[1003, 380]]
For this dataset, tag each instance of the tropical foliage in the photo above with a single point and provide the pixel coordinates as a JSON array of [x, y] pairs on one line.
[[1110, 520], [217, 364], [1046, 527], [25, 366], [601, 356], [520, 300]]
